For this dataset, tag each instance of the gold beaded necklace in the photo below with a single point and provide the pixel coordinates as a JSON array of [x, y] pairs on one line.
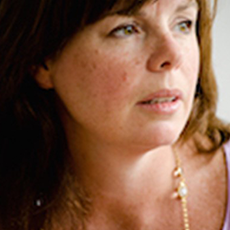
[[182, 190]]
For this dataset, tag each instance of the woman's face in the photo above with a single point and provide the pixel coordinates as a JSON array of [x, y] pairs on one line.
[[130, 80]]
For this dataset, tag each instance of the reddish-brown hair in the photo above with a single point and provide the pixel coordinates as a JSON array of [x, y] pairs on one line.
[[203, 118]]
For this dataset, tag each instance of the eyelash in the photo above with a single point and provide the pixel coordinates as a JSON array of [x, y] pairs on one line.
[[128, 30], [187, 26], [125, 30]]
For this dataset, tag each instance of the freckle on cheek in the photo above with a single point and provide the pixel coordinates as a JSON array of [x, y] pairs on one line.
[[94, 66], [96, 51], [124, 77], [137, 62]]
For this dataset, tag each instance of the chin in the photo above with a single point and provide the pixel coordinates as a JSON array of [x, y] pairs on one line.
[[162, 136]]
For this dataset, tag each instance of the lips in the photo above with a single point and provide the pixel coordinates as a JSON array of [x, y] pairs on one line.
[[164, 101], [162, 95], [160, 100]]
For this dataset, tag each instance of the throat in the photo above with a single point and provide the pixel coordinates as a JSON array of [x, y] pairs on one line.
[[144, 215], [146, 198], [136, 196]]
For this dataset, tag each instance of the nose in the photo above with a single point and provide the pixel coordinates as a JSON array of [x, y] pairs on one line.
[[165, 55]]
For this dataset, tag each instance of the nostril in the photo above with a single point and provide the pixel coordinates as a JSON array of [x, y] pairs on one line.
[[165, 64]]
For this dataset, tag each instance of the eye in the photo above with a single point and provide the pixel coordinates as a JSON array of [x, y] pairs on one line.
[[125, 31], [184, 27]]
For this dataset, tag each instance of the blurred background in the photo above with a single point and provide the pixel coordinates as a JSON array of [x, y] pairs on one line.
[[221, 57]]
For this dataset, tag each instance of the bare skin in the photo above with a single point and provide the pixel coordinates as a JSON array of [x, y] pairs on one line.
[[122, 149], [147, 203]]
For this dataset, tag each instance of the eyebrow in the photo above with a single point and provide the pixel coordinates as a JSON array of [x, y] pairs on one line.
[[137, 11], [181, 7], [188, 4]]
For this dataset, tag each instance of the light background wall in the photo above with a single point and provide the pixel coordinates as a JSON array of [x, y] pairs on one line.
[[221, 57]]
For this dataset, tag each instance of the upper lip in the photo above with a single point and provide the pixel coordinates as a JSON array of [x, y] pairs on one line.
[[164, 93]]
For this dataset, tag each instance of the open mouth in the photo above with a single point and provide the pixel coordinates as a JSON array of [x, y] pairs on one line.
[[160, 100]]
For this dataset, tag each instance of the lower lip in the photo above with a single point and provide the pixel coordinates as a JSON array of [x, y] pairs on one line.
[[165, 108]]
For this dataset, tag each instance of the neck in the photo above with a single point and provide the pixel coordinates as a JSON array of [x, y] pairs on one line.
[[122, 173]]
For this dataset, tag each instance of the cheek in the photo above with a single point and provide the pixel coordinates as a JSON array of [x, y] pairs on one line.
[[108, 79], [192, 64], [100, 81]]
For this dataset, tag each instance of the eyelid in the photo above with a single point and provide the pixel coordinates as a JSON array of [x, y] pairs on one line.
[[133, 25], [190, 22]]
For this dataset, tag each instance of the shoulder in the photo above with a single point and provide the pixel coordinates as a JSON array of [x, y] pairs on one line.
[[227, 156], [205, 174], [227, 148]]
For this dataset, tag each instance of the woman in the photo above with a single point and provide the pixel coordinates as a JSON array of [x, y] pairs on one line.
[[102, 105]]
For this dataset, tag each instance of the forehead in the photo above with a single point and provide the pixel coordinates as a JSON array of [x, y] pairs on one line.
[[124, 7]]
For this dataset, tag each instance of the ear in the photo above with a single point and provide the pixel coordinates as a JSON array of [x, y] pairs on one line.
[[43, 77]]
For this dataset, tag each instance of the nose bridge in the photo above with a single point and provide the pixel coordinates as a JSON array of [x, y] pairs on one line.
[[165, 53]]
